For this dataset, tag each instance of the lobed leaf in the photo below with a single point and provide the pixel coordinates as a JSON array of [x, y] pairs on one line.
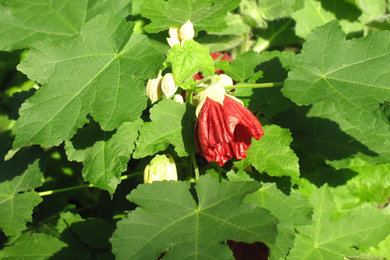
[[20, 27], [101, 72], [171, 123], [104, 154], [204, 14], [170, 221], [346, 82]]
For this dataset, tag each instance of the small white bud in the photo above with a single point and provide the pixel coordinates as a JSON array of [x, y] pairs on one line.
[[178, 98], [225, 80], [153, 89], [161, 168], [174, 36], [168, 85], [187, 31]]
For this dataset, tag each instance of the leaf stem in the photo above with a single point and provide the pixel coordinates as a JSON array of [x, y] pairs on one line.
[[260, 85], [196, 168], [82, 186]]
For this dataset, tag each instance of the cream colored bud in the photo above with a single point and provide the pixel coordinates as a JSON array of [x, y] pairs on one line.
[[187, 31], [172, 42], [161, 168], [153, 89], [168, 85], [215, 92], [178, 98], [174, 36], [225, 80]]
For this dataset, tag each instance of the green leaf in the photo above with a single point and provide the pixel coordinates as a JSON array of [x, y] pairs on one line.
[[171, 123], [243, 66], [104, 154], [335, 238], [20, 27], [371, 9], [100, 72], [272, 153], [345, 81], [278, 33], [206, 15], [313, 15], [189, 59], [371, 184], [235, 26], [274, 67], [274, 9], [218, 43], [171, 221], [291, 210], [37, 247], [19, 176]]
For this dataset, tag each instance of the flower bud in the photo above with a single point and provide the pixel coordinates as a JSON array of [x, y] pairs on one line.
[[187, 31], [168, 85], [225, 80], [174, 36], [153, 89], [178, 98], [161, 168]]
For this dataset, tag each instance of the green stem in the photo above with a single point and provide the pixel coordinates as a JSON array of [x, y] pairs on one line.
[[196, 168], [82, 186], [260, 85], [189, 96]]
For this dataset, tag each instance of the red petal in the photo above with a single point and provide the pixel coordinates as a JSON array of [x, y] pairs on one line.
[[225, 132]]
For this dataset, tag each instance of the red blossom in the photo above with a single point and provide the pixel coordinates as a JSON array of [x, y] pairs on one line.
[[215, 56], [225, 131]]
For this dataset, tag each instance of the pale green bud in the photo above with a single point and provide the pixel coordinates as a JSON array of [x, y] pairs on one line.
[[161, 168], [153, 89], [168, 85]]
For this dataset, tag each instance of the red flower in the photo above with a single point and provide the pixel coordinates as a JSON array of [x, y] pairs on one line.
[[215, 56], [225, 128]]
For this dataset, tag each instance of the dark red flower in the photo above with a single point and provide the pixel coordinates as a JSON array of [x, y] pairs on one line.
[[215, 56], [225, 128]]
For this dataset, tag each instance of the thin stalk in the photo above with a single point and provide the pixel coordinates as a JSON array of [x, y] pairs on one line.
[[260, 85], [82, 186], [196, 168]]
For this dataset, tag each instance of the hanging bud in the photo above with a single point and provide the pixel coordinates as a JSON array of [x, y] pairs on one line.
[[224, 80], [161, 168], [153, 89], [178, 98], [187, 31], [174, 36], [168, 85]]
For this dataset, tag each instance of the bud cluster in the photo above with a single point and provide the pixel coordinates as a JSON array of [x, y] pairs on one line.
[[179, 35], [155, 88]]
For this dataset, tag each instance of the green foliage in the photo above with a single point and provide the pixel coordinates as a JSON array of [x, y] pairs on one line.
[[19, 176], [314, 14], [330, 237], [204, 14], [272, 153], [171, 221], [73, 102], [291, 210], [105, 71], [171, 123], [37, 247], [329, 73], [104, 154], [189, 59], [20, 28]]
